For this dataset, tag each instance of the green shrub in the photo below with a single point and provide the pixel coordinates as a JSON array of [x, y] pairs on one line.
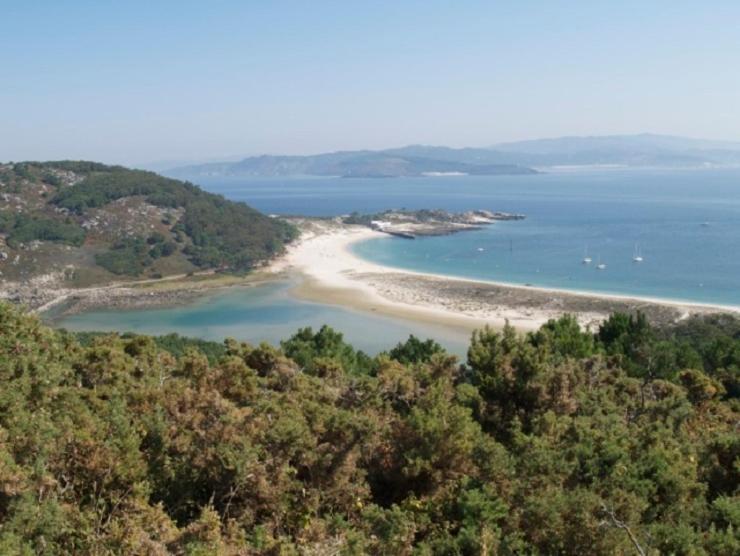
[[129, 256], [29, 228]]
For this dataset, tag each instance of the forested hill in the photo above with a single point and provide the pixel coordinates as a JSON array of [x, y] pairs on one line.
[[559, 442], [89, 222]]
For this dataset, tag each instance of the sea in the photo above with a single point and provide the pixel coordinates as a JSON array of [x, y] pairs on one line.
[[684, 224]]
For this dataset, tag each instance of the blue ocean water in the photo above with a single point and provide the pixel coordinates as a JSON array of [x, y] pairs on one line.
[[686, 224], [263, 313]]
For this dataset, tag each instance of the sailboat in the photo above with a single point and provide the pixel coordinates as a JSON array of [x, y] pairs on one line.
[[600, 265], [586, 258], [637, 257]]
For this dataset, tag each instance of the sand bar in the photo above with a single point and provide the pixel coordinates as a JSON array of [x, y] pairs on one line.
[[331, 273]]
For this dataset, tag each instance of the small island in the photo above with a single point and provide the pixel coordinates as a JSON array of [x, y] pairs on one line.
[[410, 224]]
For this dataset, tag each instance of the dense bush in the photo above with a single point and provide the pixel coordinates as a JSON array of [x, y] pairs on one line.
[[104, 186], [126, 256], [7, 221], [310, 350], [23, 228], [172, 343], [133, 255], [78, 166], [415, 350], [557, 442]]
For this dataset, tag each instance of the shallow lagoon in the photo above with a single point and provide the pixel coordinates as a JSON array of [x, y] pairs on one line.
[[263, 313]]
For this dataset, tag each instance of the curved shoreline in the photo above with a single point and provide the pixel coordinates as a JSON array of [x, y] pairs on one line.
[[719, 307], [333, 274]]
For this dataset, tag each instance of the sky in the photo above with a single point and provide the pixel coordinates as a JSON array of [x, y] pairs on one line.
[[140, 82]]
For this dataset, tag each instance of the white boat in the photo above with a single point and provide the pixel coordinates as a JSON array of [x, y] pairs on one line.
[[586, 258], [637, 257], [601, 266]]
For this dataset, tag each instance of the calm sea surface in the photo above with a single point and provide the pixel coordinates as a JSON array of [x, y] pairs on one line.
[[685, 224]]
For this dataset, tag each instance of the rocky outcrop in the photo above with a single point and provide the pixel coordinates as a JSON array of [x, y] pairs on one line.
[[410, 224]]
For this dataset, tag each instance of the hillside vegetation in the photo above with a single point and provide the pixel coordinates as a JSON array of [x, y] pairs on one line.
[[558, 442], [91, 222]]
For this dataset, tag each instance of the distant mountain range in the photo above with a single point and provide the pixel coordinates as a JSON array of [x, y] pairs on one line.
[[350, 164], [523, 157]]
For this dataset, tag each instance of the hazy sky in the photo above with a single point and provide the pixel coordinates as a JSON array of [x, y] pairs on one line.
[[177, 80]]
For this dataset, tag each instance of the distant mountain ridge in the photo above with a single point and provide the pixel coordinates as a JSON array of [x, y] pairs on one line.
[[522, 157], [408, 161]]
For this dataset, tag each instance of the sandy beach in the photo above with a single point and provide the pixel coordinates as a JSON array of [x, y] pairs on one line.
[[331, 273]]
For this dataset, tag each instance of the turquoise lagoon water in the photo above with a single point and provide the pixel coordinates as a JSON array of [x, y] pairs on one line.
[[686, 224], [264, 313]]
